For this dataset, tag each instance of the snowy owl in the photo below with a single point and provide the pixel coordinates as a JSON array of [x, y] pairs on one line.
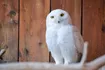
[[63, 39]]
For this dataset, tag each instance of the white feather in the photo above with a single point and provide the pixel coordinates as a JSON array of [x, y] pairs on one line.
[[64, 41]]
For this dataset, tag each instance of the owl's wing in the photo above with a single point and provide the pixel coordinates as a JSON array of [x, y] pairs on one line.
[[79, 43], [67, 44], [51, 39]]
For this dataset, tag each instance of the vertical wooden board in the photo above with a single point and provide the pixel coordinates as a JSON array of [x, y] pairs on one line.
[[73, 7], [9, 28], [92, 27], [32, 44], [103, 27]]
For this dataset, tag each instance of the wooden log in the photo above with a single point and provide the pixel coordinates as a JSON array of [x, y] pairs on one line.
[[94, 65]]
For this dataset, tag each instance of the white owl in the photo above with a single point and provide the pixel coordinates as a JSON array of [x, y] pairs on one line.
[[64, 41]]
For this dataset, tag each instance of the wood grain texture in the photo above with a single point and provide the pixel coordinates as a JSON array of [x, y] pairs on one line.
[[9, 28], [92, 27], [103, 28], [32, 44]]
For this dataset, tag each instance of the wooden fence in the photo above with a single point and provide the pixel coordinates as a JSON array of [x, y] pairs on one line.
[[22, 26]]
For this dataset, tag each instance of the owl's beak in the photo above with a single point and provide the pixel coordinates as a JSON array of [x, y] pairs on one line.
[[58, 21]]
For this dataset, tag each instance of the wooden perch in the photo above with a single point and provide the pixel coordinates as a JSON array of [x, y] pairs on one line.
[[93, 65], [2, 51]]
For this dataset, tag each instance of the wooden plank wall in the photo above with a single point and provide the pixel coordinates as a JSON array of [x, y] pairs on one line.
[[32, 44], [87, 15], [9, 28], [93, 27]]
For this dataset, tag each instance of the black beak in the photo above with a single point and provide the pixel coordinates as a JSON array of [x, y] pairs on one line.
[[58, 21]]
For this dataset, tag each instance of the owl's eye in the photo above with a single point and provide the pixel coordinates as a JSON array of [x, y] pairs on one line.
[[62, 14], [52, 16]]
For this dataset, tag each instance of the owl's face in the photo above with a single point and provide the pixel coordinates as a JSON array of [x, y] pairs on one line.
[[58, 16]]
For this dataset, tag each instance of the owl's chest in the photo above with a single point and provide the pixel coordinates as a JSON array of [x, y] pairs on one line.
[[59, 32], [53, 30], [51, 33]]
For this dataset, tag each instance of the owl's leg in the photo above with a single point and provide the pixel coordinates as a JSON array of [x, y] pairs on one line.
[[58, 58], [70, 56], [68, 61]]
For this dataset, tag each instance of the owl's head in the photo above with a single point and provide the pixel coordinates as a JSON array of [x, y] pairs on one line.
[[58, 16]]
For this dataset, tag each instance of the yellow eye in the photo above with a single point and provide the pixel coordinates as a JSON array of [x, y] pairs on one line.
[[61, 14], [52, 16]]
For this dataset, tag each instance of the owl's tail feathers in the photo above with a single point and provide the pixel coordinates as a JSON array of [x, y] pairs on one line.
[[84, 56]]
